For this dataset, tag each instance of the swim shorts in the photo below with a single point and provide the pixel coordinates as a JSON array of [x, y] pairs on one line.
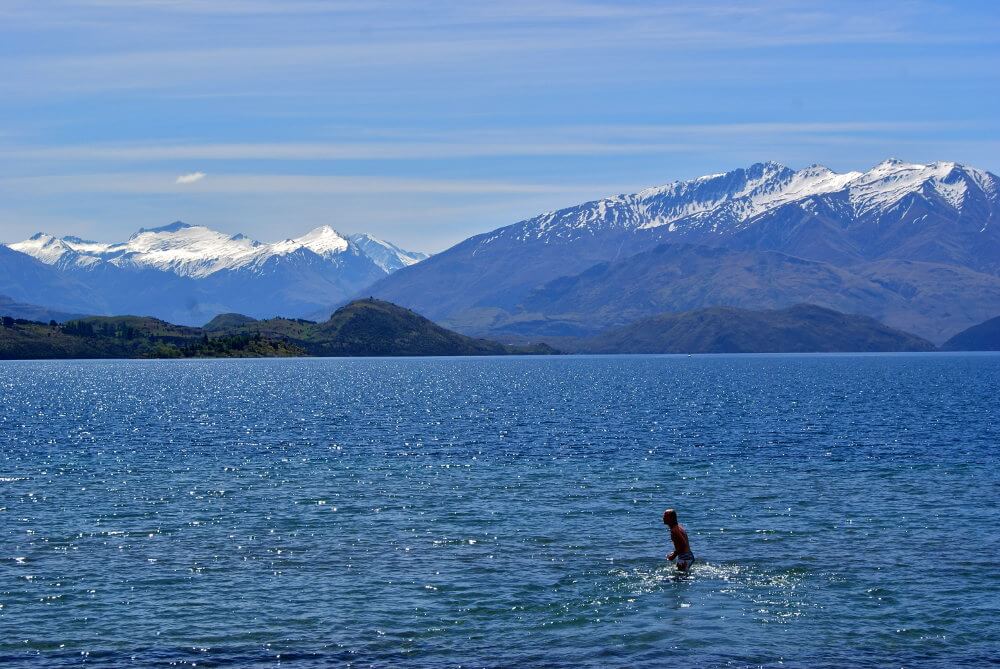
[[685, 560]]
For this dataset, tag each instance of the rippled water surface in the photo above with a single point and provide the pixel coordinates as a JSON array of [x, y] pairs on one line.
[[500, 512]]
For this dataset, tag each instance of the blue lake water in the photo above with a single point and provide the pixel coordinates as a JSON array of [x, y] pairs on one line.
[[501, 511]]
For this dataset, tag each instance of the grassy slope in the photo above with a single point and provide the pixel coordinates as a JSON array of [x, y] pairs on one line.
[[799, 329], [982, 337], [227, 322]]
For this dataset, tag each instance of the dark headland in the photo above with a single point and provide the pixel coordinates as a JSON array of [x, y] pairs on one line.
[[361, 328]]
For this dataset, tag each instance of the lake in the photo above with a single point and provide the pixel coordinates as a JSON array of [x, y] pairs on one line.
[[501, 511]]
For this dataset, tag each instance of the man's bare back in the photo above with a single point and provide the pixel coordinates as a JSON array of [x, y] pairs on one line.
[[682, 547]]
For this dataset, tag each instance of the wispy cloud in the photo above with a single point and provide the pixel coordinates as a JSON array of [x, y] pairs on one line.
[[287, 184], [154, 45], [589, 140], [190, 178], [222, 6], [320, 151]]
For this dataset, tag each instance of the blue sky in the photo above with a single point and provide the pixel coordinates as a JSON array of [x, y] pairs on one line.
[[427, 122]]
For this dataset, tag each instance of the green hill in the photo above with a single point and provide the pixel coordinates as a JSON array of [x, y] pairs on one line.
[[374, 327], [226, 322], [361, 328], [982, 337], [378, 328], [800, 329]]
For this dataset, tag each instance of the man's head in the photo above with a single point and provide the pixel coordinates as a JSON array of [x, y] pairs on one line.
[[670, 517]]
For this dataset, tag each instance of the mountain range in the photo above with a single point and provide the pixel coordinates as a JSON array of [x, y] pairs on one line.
[[187, 274], [916, 246]]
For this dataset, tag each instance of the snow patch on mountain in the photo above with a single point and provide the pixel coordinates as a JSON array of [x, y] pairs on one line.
[[384, 254], [324, 241], [725, 202], [186, 250]]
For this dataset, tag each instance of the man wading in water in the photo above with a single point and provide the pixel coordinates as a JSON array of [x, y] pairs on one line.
[[682, 549]]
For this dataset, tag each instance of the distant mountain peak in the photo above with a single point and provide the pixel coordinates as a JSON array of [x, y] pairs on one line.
[[816, 170], [323, 241], [323, 233], [386, 255], [198, 251], [766, 167], [324, 229]]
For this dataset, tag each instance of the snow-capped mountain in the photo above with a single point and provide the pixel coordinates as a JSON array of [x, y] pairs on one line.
[[916, 246], [722, 204], [387, 256], [185, 273], [910, 231], [198, 251]]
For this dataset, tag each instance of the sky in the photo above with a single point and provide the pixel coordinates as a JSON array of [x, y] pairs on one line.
[[425, 123]]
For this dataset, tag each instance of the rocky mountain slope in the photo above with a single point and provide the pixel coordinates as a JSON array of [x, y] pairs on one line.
[[27, 280], [935, 299], [386, 255], [918, 245]]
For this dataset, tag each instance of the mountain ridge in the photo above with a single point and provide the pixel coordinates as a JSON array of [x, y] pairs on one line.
[[983, 336], [187, 274], [940, 216], [802, 328], [199, 251], [739, 196]]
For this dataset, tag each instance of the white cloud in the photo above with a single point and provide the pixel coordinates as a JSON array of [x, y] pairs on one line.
[[190, 178]]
